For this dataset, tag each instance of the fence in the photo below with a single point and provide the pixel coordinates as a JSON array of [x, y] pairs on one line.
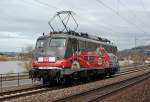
[[13, 79]]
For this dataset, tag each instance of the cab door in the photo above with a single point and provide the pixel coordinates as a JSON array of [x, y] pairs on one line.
[[72, 47]]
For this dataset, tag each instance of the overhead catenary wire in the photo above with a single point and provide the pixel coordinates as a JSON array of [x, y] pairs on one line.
[[144, 8], [35, 4], [54, 7], [123, 18], [46, 4], [132, 12], [117, 13]]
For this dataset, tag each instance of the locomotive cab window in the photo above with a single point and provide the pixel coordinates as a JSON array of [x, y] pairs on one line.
[[40, 44], [57, 42]]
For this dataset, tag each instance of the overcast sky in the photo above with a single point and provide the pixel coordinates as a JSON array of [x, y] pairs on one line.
[[121, 21]]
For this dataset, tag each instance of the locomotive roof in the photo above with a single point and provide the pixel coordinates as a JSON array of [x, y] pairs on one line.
[[66, 35]]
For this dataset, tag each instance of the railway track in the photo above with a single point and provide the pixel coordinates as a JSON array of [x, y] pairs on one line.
[[39, 89], [121, 86], [22, 92], [8, 77], [131, 70], [26, 92], [98, 94]]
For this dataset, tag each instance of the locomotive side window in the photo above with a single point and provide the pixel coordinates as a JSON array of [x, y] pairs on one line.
[[109, 49], [57, 42], [91, 46], [40, 44], [82, 45]]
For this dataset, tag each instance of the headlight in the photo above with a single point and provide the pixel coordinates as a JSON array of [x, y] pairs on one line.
[[40, 59], [52, 59]]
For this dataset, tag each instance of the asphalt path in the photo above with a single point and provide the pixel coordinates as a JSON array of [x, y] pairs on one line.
[[12, 83]]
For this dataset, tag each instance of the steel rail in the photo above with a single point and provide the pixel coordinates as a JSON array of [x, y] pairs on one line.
[[7, 77], [40, 89], [25, 92], [124, 86], [121, 73], [132, 70], [102, 92]]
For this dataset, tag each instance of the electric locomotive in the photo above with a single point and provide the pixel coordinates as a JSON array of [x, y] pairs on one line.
[[61, 57]]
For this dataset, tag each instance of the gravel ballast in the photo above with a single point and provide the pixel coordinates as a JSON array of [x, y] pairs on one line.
[[137, 93], [60, 93]]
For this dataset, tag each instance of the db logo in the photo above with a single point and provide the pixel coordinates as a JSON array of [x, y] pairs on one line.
[[45, 59]]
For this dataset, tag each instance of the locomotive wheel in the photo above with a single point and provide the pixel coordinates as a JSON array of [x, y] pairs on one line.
[[66, 80], [111, 74], [75, 65], [45, 80], [75, 77]]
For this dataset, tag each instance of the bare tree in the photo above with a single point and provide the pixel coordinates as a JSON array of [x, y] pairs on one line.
[[27, 57], [137, 57]]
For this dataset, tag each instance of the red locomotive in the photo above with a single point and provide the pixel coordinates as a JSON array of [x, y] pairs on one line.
[[65, 56]]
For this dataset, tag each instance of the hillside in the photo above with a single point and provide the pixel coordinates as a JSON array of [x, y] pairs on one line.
[[143, 50]]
